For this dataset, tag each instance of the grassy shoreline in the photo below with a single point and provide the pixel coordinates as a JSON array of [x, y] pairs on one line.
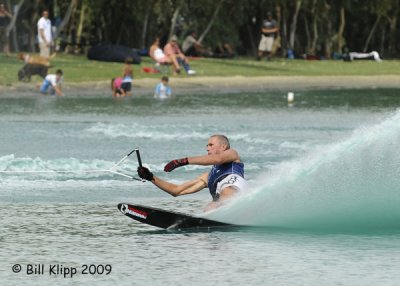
[[241, 73]]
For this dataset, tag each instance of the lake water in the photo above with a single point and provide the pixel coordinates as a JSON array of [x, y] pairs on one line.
[[323, 205]]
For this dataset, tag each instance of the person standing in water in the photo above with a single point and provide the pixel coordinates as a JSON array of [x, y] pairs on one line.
[[163, 90], [127, 76]]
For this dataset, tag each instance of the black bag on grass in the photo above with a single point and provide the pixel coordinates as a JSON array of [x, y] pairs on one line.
[[113, 53]]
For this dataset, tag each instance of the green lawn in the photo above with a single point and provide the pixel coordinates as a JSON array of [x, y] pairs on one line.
[[80, 69]]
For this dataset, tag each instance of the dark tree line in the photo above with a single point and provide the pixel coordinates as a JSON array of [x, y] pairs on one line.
[[306, 26]]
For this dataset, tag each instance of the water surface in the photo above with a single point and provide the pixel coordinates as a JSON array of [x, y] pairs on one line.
[[323, 203]]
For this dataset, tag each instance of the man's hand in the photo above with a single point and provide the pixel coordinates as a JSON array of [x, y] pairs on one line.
[[175, 164], [145, 173]]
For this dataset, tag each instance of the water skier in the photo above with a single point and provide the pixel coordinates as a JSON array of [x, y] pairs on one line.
[[225, 180]]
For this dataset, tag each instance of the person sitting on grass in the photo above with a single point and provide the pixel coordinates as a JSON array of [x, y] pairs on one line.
[[191, 47], [52, 84], [157, 54], [172, 49]]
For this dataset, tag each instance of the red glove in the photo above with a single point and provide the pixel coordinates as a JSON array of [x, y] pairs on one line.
[[175, 164]]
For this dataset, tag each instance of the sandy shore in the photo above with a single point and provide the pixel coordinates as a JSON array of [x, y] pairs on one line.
[[197, 84], [279, 83]]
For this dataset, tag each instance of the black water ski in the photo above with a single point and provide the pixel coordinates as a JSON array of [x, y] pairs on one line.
[[166, 219]]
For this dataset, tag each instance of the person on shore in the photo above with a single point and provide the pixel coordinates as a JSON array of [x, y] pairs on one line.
[[157, 54], [163, 90], [224, 50], [351, 56], [225, 180], [45, 36], [268, 31], [172, 49], [191, 47], [5, 17], [127, 76], [52, 84]]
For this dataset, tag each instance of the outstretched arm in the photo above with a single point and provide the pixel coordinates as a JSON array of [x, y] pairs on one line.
[[227, 156], [188, 187], [185, 188]]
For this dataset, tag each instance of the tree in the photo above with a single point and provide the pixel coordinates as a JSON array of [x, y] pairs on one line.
[[293, 25], [312, 26], [11, 26]]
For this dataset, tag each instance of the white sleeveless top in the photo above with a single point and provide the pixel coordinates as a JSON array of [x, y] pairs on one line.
[[159, 54]]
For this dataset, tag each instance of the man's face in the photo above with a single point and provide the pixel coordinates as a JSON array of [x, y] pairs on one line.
[[174, 43], [46, 14], [214, 146]]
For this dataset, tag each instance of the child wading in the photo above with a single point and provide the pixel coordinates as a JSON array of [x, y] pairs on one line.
[[163, 90]]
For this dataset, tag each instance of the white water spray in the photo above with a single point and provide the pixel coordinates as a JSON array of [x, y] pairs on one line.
[[353, 184]]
